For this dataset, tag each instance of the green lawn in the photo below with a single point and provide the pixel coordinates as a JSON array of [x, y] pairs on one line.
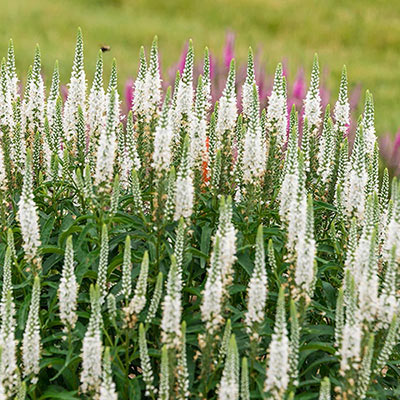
[[365, 35]]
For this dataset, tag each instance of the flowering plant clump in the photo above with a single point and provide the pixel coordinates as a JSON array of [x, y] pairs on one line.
[[215, 79], [191, 248]]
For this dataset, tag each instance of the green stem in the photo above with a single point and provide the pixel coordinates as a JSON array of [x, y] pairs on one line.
[[127, 362]]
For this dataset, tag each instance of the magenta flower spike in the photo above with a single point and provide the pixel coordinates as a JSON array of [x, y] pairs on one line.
[[128, 93], [299, 85], [325, 96], [181, 63], [212, 66], [64, 92], [390, 151], [285, 70], [397, 142], [229, 52], [354, 97]]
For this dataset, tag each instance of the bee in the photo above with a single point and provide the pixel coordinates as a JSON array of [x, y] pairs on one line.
[[104, 48]]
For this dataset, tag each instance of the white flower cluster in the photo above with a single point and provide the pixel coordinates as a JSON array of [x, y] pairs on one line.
[[107, 146], [145, 362], [34, 100], [369, 300], [342, 106], [350, 350], [172, 308], [152, 83], [130, 157], [138, 301], [68, 289], [28, 216], [254, 149], [198, 129], [107, 387], [227, 112], [183, 98], [312, 102], [211, 306], [163, 137], [9, 372], [312, 110], [184, 193], [97, 109], [305, 252], [91, 362], [122, 178], [12, 78], [277, 108], [229, 386], [326, 152], [139, 98], [6, 111], [368, 124], [31, 346], [247, 88], [3, 178], [277, 379], [92, 347], [257, 289], [76, 91], [184, 189], [393, 236], [226, 235]]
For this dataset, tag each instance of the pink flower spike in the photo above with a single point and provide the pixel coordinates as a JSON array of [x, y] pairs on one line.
[[229, 52], [212, 66], [299, 85], [128, 91], [325, 94], [397, 141], [285, 70], [354, 98], [64, 92], [181, 63]]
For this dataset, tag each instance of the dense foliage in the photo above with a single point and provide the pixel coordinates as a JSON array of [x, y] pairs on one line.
[[183, 252]]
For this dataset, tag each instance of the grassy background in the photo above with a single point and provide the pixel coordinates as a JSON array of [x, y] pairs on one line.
[[365, 35]]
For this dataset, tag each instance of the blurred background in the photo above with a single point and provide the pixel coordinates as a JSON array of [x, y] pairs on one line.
[[364, 35]]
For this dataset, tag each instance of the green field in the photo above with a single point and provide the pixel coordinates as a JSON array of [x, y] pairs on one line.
[[365, 35]]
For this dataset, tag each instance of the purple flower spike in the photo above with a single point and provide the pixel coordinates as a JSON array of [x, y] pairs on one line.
[[128, 92], [229, 52], [397, 141], [64, 92], [181, 63], [389, 150], [285, 70], [299, 85], [325, 95], [354, 98], [212, 67]]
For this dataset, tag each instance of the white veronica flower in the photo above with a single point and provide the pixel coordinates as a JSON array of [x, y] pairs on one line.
[[68, 289], [31, 346]]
